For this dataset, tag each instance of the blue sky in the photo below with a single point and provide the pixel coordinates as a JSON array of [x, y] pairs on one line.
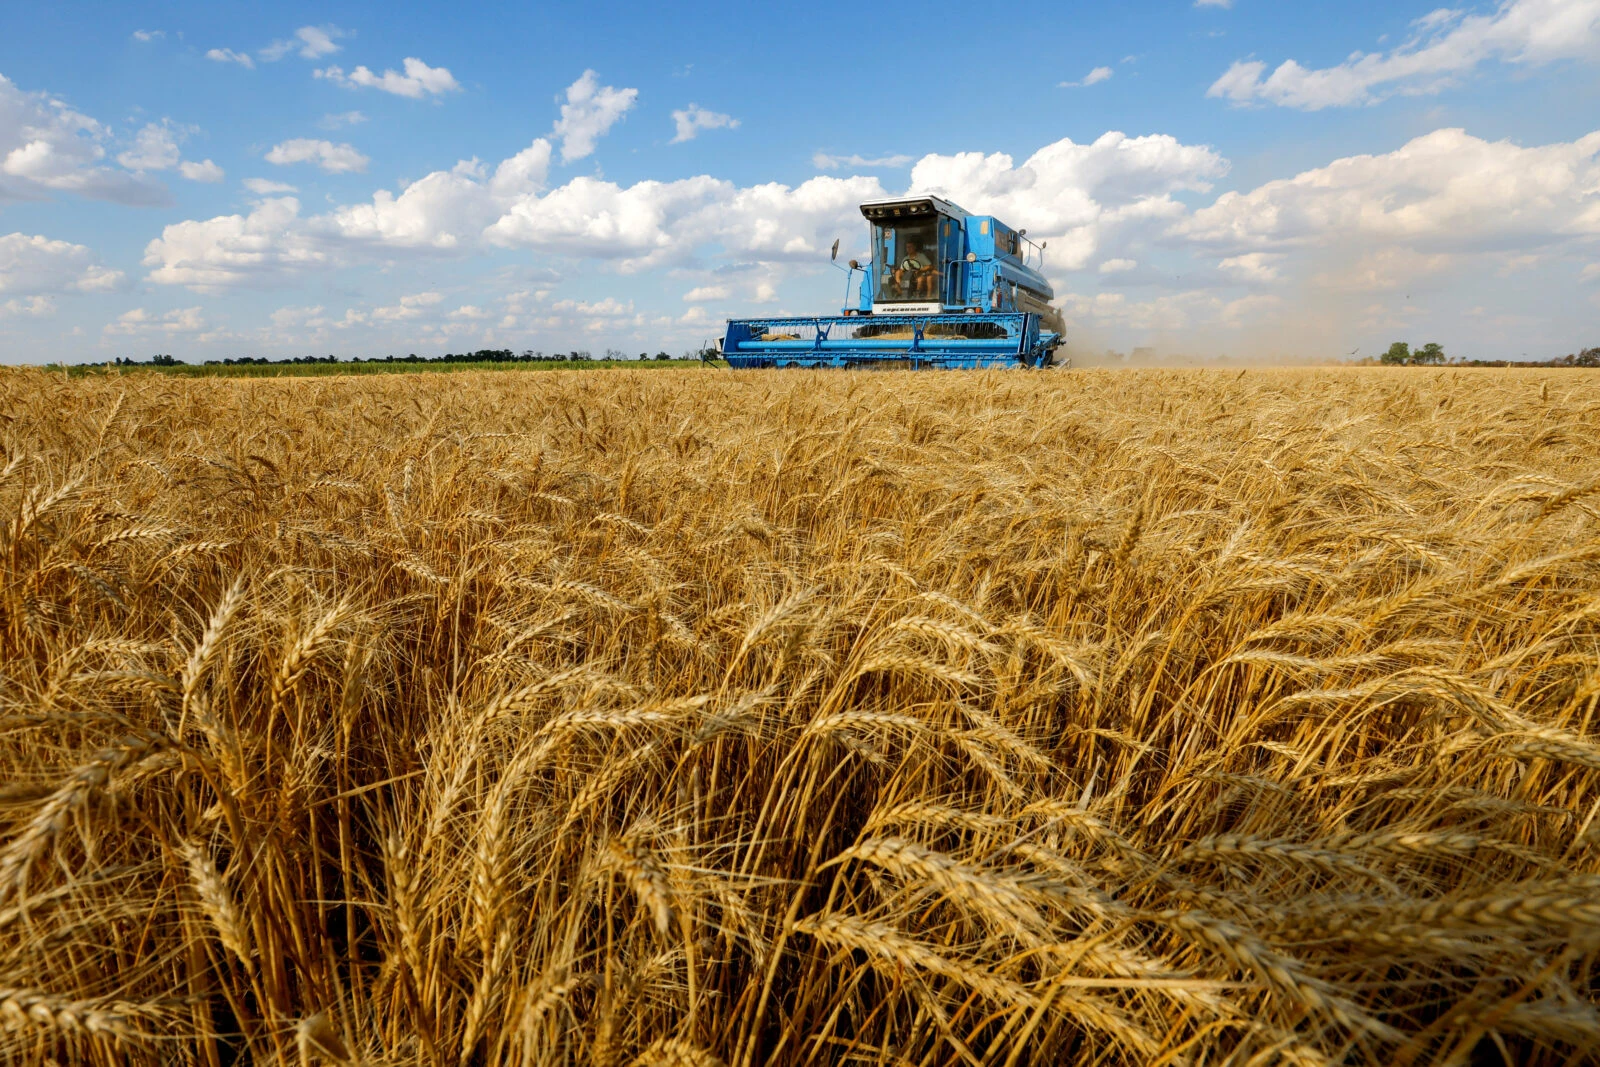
[[1245, 178]]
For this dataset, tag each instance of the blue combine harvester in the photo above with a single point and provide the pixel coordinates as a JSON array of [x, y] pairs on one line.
[[944, 288]]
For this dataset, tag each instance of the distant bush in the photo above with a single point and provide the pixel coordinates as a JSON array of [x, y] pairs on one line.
[[153, 361], [1400, 354]]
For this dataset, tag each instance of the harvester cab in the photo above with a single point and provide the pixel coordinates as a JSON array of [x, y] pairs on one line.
[[943, 288]]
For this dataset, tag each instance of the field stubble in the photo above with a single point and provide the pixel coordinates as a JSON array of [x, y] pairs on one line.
[[688, 718]]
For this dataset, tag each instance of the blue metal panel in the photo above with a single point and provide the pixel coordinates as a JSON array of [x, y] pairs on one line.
[[981, 235]]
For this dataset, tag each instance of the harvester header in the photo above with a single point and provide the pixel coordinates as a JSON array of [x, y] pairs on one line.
[[943, 288]]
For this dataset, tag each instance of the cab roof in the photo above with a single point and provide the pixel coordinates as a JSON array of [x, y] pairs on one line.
[[912, 207]]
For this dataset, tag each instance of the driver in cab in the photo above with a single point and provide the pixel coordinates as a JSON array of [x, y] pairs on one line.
[[916, 276]]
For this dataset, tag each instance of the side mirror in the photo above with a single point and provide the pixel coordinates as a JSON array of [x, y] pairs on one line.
[[1022, 233], [835, 256]]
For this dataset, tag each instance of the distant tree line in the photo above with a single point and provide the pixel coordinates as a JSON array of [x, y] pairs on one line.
[[1401, 354], [1589, 357], [482, 355]]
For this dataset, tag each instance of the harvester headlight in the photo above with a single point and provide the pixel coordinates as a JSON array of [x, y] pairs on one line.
[[972, 257]]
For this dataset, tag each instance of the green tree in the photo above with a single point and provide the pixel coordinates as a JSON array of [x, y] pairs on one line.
[[1430, 354], [1399, 354]]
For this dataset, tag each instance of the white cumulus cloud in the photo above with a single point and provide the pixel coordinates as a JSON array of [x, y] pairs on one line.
[[46, 146], [1077, 196], [694, 118], [410, 307], [171, 323], [264, 247], [1444, 191], [701, 294], [329, 157], [590, 111], [35, 265], [1446, 44], [155, 147], [33, 306], [203, 171], [446, 211], [1252, 267], [417, 81]]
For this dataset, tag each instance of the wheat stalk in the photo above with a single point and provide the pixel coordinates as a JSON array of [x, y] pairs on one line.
[[647, 878], [1114, 717], [25, 1008], [218, 903]]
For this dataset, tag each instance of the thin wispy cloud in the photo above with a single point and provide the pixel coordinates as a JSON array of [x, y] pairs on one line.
[[694, 118], [268, 187], [824, 161], [228, 55], [342, 119], [1094, 77], [309, 42]]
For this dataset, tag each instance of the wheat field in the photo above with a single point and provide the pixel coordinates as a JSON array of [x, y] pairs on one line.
[[696, 717]]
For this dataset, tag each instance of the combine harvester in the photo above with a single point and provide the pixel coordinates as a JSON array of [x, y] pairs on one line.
[[944, 288]]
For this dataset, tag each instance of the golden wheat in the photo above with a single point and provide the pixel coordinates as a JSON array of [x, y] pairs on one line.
[[721, 718]]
